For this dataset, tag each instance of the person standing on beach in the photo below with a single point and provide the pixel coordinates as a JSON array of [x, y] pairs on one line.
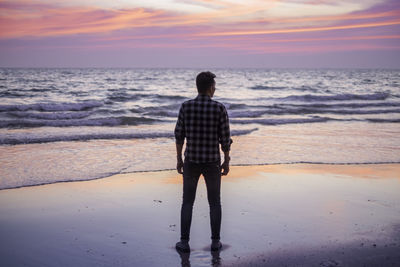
[[205, 124]]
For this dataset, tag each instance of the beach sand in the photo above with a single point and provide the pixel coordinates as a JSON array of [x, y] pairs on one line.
[[273, 215]]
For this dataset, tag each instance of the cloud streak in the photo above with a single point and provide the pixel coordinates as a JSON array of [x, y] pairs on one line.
[[301, 30]]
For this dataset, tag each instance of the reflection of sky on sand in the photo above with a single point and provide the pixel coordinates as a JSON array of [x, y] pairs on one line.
[[124, 219], [371, 171], [354, 171]]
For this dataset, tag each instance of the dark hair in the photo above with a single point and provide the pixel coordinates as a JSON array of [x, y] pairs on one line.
[[204, 81]]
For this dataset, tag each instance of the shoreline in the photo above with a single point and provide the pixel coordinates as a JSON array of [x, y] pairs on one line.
[[232, 165], [294, 215]]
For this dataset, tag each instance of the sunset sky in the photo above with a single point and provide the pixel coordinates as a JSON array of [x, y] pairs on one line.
[[200, 33]]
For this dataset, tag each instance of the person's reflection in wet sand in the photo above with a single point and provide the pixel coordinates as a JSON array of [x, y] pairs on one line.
[[185, 261], [215, 258]]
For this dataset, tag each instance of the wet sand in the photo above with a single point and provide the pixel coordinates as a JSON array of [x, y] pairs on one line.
[[274, 215]]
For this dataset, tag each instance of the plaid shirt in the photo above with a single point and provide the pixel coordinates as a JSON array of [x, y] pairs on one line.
[[205, 124]]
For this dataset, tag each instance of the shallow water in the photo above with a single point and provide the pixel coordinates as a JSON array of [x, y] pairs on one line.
[[332, 142]]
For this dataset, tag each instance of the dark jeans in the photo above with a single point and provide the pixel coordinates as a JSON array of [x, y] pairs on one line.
[[212, 176]]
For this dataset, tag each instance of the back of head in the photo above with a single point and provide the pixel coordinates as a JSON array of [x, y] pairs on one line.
[[204, 81]]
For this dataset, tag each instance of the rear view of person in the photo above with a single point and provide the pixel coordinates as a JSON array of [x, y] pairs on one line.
[[204, 124]]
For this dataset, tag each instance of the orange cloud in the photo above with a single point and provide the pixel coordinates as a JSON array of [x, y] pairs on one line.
[[318, 39], [45, 20], [300, 30], [393, 13]]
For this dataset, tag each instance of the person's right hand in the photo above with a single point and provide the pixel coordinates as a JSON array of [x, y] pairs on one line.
[[179, 166], [225, 168]]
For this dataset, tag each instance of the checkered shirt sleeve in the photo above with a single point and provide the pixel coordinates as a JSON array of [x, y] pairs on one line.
[[180, 128]]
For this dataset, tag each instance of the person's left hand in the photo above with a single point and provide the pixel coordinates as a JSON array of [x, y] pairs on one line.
[[179, 166]]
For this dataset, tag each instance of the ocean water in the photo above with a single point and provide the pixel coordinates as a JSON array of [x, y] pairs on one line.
[[79, 124]]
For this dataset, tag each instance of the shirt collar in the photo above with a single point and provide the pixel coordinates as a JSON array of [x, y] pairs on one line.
[[203, 97]]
